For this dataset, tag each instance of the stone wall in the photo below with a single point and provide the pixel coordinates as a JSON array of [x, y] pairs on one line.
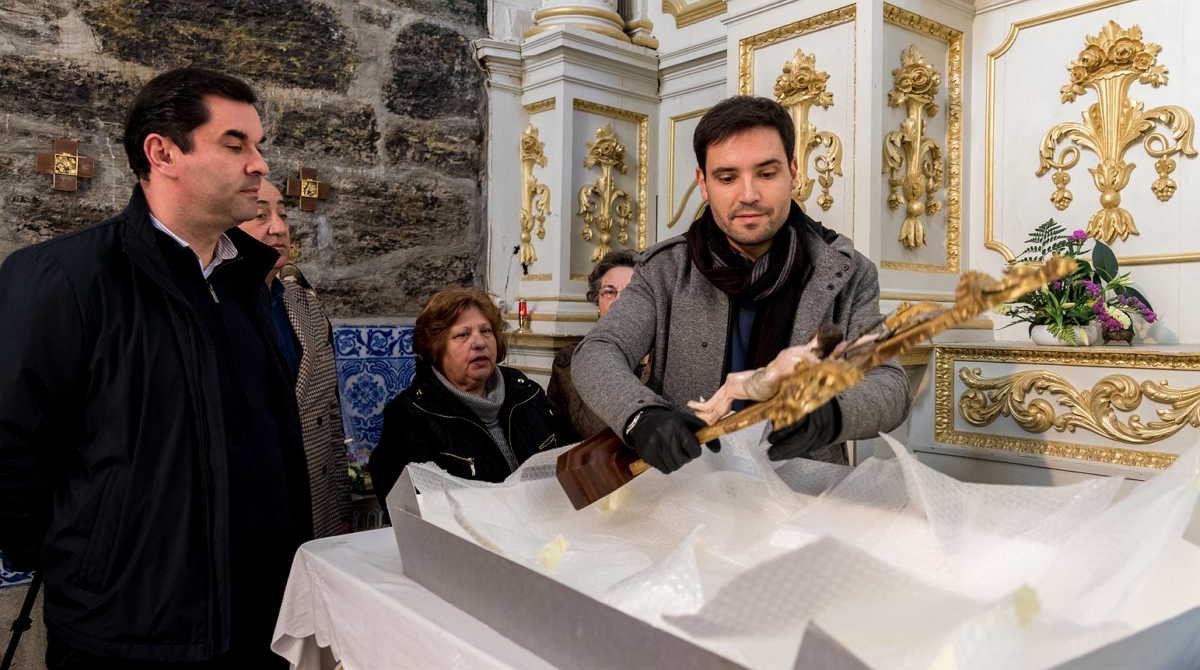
[[382, 96]]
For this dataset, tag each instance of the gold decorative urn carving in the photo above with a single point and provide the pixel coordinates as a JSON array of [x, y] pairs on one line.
[[535, 197], [799, 88], [602, 205], [912, 161], [1109, 64]]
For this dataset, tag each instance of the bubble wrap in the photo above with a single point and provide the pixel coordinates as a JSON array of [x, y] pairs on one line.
[[905, 566]]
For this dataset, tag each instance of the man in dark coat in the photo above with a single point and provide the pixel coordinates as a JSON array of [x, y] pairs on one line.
[[150, 458]]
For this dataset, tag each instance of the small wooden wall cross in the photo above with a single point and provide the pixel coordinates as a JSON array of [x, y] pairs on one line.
[[66, 165], [308, 188]]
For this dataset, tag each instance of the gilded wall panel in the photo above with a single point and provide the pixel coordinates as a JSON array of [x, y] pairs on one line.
[[684, 202], [1029, 148], [928, 240], [829, 39], [598, 130], [1124, 407]]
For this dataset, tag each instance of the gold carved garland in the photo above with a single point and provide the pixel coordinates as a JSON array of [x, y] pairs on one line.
[[799, 88], [1091, 410], [1110, 63], [535, 197], [912, 160], [602, 204]]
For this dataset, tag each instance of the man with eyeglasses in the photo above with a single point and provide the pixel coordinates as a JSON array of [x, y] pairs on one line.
[[751, 277]]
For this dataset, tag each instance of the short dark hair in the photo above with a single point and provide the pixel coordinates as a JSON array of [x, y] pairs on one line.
[[613, 259], [742, 112], [172, 105], [432, 330]]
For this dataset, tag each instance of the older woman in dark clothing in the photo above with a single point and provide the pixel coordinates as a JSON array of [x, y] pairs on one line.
[[576, 421], [473, 418]]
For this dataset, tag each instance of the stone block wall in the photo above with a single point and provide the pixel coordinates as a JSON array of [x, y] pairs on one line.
[[383, 97]]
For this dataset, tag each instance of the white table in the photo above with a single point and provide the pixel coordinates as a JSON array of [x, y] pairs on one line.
[[347, 593]]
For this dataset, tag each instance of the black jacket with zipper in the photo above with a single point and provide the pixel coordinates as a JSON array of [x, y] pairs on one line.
[[114, 470], [427, 423]]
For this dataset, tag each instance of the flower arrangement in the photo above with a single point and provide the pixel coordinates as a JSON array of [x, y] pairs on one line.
[[1096, 291]]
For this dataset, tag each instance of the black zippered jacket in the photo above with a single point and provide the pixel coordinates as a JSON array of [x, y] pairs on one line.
[[114, 472], [427, 423]]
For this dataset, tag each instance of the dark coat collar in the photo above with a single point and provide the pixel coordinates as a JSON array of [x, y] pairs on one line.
[[432, 395], [254, 258]]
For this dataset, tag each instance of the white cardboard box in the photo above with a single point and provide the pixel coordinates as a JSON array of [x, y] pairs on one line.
[[572, 630]]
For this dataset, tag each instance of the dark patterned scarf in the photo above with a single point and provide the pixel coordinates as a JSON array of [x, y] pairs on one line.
[[775, 281]]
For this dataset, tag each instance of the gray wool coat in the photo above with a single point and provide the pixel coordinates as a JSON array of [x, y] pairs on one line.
[[671, 310]]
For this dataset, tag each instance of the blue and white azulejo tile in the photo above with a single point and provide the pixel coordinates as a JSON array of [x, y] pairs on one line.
[[375, 362], [10, 579]]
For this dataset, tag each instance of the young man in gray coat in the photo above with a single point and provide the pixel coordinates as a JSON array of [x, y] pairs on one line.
[[751, 277]]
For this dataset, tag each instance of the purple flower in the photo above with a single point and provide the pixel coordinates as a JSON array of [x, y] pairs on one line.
[[1079, 235], [1057, 286], [1098, 307], [1108, 323], [1091, 287], [1150, 317]]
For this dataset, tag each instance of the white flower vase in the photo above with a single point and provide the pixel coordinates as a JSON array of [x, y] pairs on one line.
[[1085, 336], [1141, 330]]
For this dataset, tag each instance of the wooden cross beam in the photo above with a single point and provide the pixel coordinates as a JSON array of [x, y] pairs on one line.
[[308, 188], [66, 165]]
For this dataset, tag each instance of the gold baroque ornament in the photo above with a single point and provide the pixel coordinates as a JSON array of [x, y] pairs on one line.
[[643, 159], [535, 197], [602, 204], [912, 160], [799, 88], [1092, 410], [1109, 64], [953, 145], [947, 356]]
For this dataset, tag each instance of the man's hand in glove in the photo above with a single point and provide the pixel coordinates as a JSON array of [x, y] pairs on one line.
[[817, 429], [665, 438]]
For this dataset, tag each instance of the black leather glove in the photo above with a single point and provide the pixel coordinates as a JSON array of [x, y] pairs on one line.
[[816, 429], [666, 438]]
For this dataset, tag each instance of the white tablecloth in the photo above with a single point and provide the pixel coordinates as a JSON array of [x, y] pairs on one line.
[[348, 593]]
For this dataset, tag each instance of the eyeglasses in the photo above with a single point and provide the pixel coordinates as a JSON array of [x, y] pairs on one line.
[[610, 293]]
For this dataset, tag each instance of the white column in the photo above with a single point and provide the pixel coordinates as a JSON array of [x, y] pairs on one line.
[[598, 16], [638, 25], [502, 63]]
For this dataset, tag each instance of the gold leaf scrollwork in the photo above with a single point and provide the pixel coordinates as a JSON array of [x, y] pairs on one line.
[[1109, 64], [1092, 410], [601, 204], [913, 161], [799, 88], [535, 197]]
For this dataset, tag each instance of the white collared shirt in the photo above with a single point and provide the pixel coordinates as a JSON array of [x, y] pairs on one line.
[[224, 251]]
